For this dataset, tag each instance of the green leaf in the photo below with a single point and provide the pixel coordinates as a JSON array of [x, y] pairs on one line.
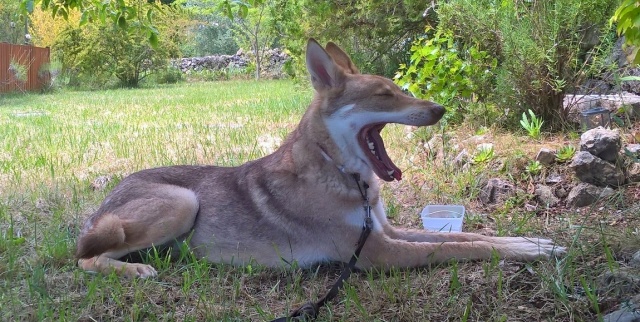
[[243, 11], [84, 18], [153, 39], [630, 78], [29, 6], [122, 22]]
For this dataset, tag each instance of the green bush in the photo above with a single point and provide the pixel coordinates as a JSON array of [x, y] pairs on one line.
[[543, 50], [100, 54], [440, 72], [210, 35], [170, 75]]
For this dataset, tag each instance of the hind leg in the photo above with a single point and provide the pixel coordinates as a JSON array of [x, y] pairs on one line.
[[159, 214]]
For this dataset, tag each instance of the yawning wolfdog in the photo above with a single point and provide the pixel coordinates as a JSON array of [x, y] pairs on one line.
[[301, 203]]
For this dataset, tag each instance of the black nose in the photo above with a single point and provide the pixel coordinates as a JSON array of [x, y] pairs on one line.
[[438, 110]]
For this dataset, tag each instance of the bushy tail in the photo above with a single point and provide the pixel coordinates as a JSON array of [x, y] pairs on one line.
[[106, 234]]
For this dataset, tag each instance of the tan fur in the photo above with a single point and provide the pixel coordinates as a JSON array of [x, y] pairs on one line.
[[301, 203]]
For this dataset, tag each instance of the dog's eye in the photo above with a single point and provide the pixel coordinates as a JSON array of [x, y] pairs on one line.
[[385, 93]]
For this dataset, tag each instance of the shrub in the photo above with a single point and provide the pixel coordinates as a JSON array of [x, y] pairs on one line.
[[93, 54], [440, 72], [210, 35], [533, 125], [542, 49], [170, 75]]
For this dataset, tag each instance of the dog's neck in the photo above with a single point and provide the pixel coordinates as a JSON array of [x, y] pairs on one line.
[[309, 152]]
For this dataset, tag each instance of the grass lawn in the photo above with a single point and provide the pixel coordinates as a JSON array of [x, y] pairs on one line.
[[58, 151]]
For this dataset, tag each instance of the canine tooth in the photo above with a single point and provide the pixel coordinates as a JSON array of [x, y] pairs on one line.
[[390, 172], [371, 146]]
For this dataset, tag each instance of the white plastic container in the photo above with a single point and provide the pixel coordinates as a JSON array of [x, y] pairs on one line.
[[444, 218]]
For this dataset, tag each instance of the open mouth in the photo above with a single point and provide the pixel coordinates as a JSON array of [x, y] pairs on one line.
[[373, 147]]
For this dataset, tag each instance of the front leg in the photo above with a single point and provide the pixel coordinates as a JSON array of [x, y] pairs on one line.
[[436, 247], [385, 252]]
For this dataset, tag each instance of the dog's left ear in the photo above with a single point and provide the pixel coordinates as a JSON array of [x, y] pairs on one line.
[[342, 58]]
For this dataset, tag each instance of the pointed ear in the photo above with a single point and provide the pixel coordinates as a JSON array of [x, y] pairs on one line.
[[325, 74], [341, 58]]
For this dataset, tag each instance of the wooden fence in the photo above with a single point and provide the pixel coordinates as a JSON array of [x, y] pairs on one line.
[[23, 68]]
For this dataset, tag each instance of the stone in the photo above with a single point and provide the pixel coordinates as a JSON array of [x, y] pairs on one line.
[[634, 149], [496, 190], [272, 63], [602, 143], [623, 315], [561, 192], [591, 169], [633, 172], [434, 146], [461, 159], [546, 156], [554, 178], [635, 260], [585, 194], [545, 196]]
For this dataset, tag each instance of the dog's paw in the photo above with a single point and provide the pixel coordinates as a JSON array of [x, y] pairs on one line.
[[138, 270], [531, 249]]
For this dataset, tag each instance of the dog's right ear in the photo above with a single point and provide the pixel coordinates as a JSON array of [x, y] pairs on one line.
[[325, 73], [341, 58]]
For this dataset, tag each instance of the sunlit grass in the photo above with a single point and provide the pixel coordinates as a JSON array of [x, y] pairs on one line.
[[53, 147]]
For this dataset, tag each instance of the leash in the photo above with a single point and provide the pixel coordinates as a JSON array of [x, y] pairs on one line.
[[309, 311]]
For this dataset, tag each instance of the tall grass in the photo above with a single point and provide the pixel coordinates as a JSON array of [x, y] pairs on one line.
[[53, 147]]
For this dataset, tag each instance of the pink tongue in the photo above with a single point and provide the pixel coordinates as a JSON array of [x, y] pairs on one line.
[[382, 153]]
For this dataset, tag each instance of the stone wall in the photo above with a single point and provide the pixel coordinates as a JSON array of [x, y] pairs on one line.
[[272, 64]]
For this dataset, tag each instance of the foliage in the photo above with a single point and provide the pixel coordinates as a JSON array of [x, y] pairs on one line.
[[52, 70], [565, 153], [169, 75], [376, 33], [11, 28], [533, 125], [120, 13], [19, 71], [626, 17], [438, 71], [251, 30], [543, 49], [534, 167], [44, 28], [483, 154], [92, 54], [210, 35]]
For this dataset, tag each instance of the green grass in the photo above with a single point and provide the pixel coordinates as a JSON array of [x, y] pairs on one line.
[[52, 148]]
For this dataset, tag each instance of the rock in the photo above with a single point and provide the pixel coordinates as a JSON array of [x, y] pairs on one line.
[[461, 159], [633, 172], [585, 194], [496, 190], [546, 156], [434, 146], [602, 143], [625, 314], [561, 192], [484, 146], [272, 63], [591, 169], [635, 260], [545, 196], [554, 178], [634, 149]]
